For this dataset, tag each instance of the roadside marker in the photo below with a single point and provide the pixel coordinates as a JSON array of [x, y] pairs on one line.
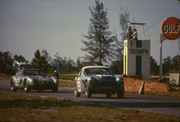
[[141, 90]]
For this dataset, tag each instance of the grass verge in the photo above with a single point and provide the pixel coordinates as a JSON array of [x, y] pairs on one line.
[[67, 76], [19, 107], [64, 83]]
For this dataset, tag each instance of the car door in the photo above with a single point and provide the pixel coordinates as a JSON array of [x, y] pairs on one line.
[[18, 79], [79, 82], [83, 79]]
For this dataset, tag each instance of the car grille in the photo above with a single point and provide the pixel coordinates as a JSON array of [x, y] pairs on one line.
[[43, 82], [106, 83]]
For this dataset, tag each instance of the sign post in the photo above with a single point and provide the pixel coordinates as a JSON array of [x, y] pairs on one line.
[[170, 28]]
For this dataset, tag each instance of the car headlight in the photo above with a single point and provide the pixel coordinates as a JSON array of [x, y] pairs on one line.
[[119, 79], [31, 81], [54, 80]]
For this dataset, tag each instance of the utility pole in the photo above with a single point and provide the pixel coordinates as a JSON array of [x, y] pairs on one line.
[[160, 61], [162, 38]]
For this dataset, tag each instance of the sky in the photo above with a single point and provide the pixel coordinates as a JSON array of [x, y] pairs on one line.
[[58, 25]]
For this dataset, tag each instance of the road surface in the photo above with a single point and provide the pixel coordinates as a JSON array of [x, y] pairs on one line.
[[165, 105]]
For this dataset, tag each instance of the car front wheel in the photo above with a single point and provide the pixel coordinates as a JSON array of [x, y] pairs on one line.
[[26, 88], [88, 92], [76, 93], [120, 93], [12, 87]]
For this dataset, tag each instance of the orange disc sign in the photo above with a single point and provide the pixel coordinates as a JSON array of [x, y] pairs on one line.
[[170, 28]]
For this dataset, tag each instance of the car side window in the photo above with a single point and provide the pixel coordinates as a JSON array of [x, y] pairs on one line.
[[86, 72]]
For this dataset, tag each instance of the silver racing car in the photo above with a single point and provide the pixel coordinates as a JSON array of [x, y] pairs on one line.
[[98, 79], [28, 79]]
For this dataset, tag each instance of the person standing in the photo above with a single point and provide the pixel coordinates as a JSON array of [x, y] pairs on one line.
[[129, 34], [56, 74], [135, 34]]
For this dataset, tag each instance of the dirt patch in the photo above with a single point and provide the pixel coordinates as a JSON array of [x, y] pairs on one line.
[[133, 85]]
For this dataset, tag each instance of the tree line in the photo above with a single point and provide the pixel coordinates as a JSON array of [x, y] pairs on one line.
[[170, 65], [45, 62], [42, 61]]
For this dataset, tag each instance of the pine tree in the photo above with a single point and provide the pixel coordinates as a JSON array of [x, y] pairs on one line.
[[100, 42], [39, 61], [123, 20]]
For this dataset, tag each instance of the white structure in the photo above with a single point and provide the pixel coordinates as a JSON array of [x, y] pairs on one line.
[[137, 58]]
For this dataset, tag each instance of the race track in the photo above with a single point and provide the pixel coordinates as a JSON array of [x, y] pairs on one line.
[[165, 105]]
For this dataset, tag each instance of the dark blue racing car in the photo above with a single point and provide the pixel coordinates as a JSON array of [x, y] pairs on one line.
[[28, 79]]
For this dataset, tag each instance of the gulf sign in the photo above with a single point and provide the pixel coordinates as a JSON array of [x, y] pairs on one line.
[[170, 28]]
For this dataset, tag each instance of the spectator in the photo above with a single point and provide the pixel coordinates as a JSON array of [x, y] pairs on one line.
[[135, 34], [129, 34], [56, 74]]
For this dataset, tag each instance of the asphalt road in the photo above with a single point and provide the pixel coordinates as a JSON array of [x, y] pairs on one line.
[[165, 105]]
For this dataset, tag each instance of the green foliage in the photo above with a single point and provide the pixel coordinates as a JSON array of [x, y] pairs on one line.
[[176, 64], [100, 43], [167, 65], [171, 65], [6, 63], [117, 66], [40, 61], [64, 65], [19, 58], [154, 68], [43, 61]]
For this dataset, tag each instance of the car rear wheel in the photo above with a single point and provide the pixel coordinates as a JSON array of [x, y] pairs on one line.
[[26, 87], [12, 87]]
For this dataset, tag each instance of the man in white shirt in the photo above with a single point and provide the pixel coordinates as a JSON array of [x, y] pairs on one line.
[[135, 34]]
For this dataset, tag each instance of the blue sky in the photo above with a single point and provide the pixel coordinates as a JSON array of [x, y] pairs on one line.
[[59, 25]]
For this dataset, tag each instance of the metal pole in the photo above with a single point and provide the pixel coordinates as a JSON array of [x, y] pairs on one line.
[[160, 61]]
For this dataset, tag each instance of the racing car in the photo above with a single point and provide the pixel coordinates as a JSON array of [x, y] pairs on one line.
[[98, 80], [28, 79]]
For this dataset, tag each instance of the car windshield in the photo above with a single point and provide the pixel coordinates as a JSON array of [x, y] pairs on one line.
[[99, 71], [26, 66], [34, 72]]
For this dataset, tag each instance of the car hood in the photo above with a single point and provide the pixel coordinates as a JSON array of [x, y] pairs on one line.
[[40, 78], [104, 77]]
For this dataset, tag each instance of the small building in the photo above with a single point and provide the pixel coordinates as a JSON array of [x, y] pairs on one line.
[[137, 58]]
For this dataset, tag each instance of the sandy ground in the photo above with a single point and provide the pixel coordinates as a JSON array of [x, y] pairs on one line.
[[133, 85]]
